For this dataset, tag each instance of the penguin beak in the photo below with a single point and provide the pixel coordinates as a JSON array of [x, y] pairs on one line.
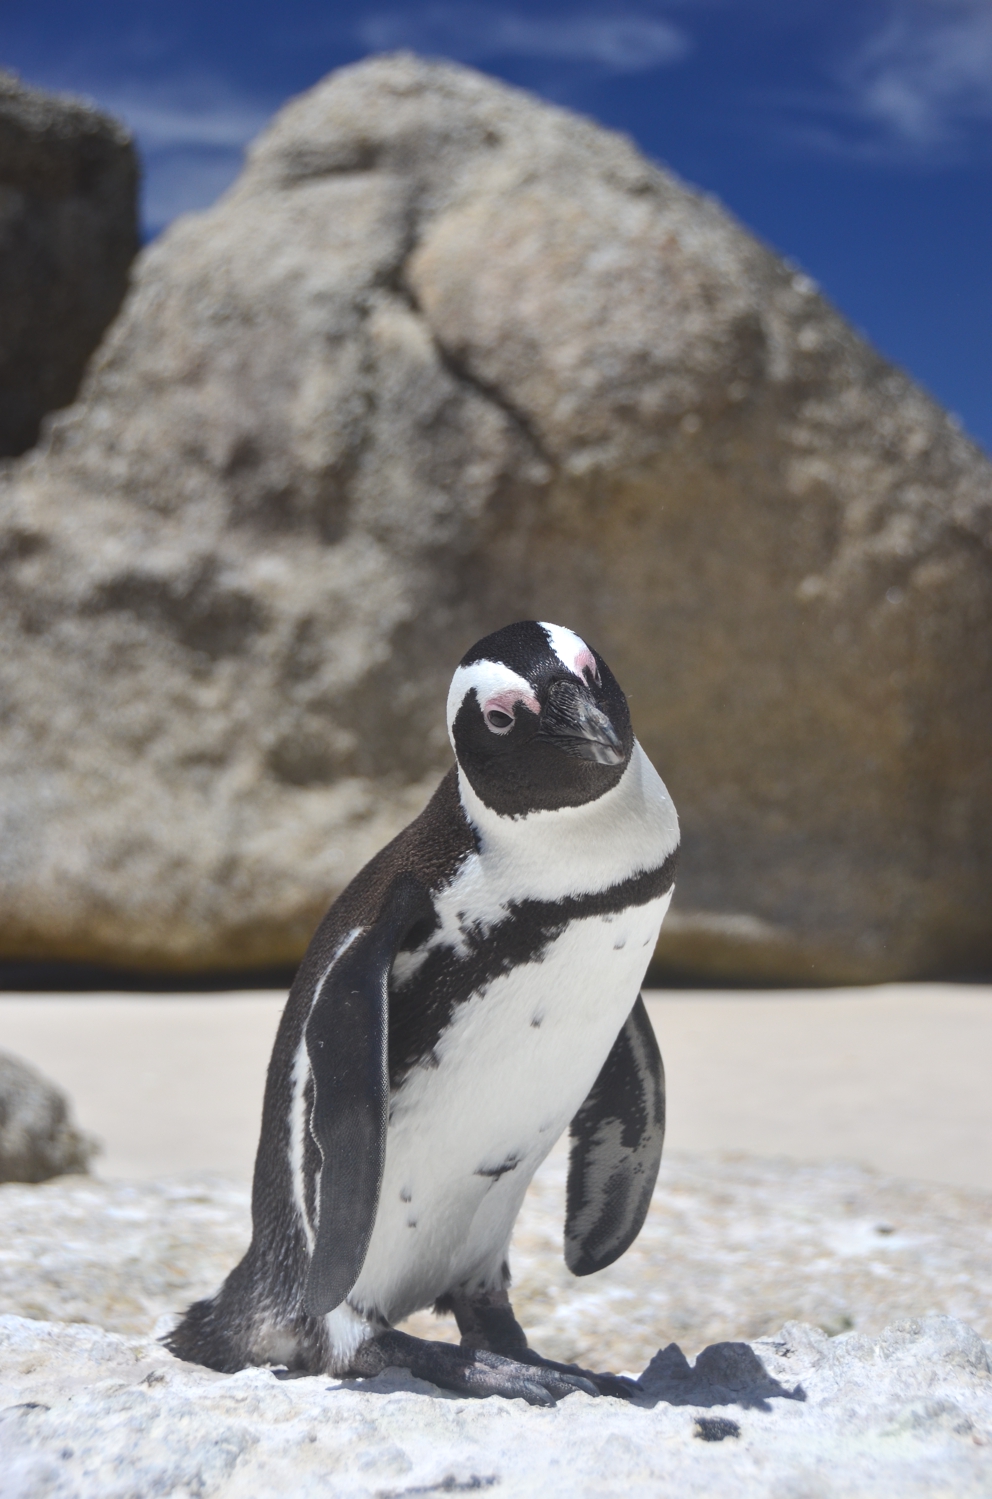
[[573, 722]]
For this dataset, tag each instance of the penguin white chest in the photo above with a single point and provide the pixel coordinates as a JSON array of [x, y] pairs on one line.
[[470, 1125]]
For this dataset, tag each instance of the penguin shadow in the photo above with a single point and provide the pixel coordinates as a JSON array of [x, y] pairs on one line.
[[723, 1374]]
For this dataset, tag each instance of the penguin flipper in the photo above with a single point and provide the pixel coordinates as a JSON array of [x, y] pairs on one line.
[[347, 1046], [617, 1137]]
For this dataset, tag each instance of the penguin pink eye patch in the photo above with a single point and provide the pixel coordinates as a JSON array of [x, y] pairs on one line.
[[585, 665], [498, 710]]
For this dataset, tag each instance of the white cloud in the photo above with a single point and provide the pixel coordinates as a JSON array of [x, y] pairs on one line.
[[618, 42], [927, 73], [188, 110], [916, 90], [191, 129]]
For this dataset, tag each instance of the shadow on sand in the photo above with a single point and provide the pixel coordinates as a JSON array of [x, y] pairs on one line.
[[723, 1374]]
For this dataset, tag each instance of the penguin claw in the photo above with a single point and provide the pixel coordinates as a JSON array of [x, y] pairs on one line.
[[476, 1372], [617, 1385], [555, 1382], [525, 1389]]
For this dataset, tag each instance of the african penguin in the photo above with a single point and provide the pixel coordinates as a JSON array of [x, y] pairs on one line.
[[472, 992]]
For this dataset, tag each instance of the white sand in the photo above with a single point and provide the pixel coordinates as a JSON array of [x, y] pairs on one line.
[[895, 1077]]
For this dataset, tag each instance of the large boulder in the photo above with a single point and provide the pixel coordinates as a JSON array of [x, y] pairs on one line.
[[68, 234], [443, 357]]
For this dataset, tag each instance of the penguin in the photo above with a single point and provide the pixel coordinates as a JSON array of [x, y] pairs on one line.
[[472, 993]]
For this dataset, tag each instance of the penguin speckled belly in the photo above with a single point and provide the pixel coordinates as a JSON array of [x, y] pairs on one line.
[[472, 992]]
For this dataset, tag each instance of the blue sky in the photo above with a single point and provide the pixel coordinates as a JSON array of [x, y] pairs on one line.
[[853, 135]]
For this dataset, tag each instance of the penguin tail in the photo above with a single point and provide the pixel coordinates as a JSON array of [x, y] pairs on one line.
[[247, 1324], [208, 1335]]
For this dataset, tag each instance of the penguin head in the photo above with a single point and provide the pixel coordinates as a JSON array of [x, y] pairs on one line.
[[537, 720]]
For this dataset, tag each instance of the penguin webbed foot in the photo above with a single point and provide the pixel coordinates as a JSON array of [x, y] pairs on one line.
[[617, 1385], [472, 1371], [485, 1320]]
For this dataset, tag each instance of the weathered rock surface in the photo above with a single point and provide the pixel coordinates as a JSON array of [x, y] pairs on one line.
[[443, 357], [38, 1139], [732, 1248], [730, 1245], [68, 234], [91, 1414]]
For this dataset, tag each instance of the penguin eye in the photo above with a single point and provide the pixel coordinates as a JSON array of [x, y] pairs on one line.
[[591, 674], [499, 710], [497, 720]]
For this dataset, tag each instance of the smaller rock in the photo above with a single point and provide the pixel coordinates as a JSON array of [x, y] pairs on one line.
[[38, 1139]]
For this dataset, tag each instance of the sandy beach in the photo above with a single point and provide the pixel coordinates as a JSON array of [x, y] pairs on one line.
[[894, 1077]]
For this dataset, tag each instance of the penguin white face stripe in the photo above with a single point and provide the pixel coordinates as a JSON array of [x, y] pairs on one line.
[[571, 650], [299, 1123], [495, 686]]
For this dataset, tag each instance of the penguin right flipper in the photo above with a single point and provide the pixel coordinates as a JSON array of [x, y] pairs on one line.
[[347, 1044], [617, 1137]]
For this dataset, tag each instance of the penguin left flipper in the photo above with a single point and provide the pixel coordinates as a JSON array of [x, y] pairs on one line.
[[617, 1137], [347, 1046]]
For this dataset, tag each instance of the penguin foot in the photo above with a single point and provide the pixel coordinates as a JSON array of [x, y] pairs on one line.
[[485, 1320], [474, 1371], [617, 1385]]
